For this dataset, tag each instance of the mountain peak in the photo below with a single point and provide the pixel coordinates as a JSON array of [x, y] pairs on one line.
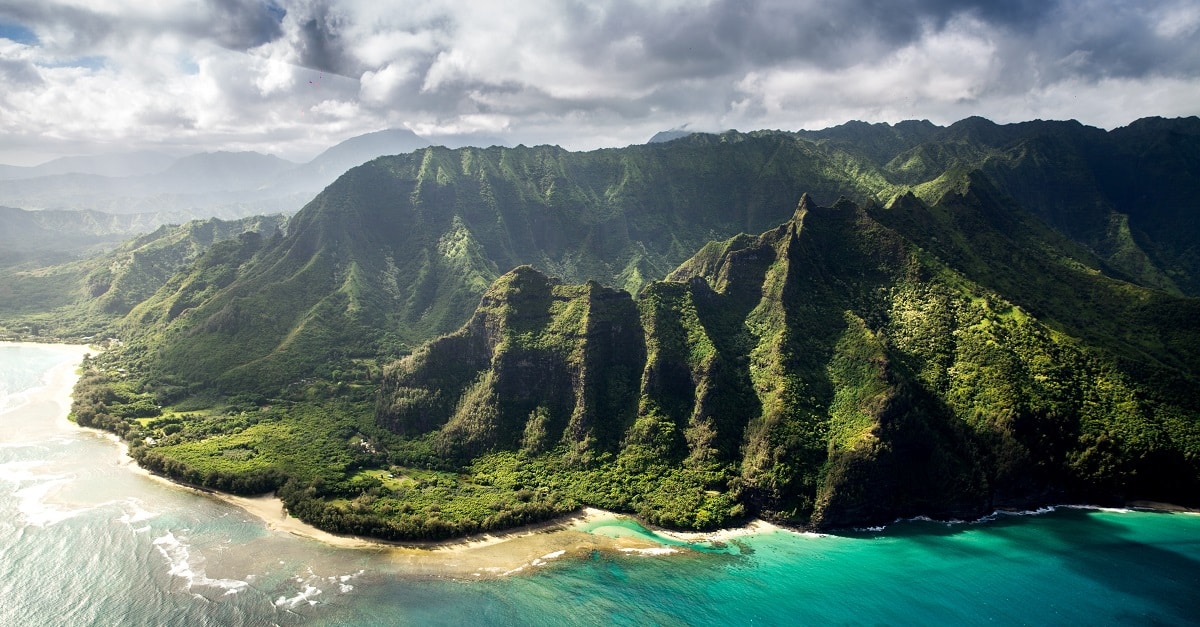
[[671, 135]]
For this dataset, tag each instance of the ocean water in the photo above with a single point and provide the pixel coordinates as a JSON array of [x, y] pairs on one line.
[[84, 539]]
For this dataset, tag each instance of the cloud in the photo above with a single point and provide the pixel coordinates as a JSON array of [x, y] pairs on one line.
[[294, 75], [240, 25]]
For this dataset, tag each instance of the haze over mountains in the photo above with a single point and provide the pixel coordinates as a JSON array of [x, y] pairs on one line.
[[217, 184]]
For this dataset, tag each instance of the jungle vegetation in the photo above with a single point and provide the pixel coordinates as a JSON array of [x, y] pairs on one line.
[[825, 328]]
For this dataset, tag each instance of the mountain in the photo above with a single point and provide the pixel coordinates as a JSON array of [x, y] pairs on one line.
[[44, 238], [832, 372], [666, 136], [942, 327], [33, 239], [85, 297], [1127, 195], [465, 140], [218, 172], [111, 165], [566, 357], [398, 250], [333, 162], [221, 184], [225, 184]]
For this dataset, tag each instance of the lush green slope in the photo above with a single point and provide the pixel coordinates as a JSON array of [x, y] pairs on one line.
[[43, 238], [992, 315], [831, 370], [400, 249], [1128, 195], [89, 296], [538, 360]]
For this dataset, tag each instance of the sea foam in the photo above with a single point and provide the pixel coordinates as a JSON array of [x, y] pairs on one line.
[[181, 564], [32, 490], [307, 595]]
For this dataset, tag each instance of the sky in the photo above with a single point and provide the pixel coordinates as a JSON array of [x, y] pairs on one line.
[[291, 77]]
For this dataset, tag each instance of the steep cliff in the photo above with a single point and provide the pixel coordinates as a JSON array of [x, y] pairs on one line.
[[832, 372]]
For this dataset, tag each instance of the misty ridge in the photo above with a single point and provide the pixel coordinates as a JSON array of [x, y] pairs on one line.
[[215, 184]]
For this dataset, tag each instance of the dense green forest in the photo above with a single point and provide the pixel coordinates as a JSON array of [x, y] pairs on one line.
[[828, 372], [954, 319]]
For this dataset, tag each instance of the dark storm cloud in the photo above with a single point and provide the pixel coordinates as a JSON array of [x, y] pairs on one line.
[[1114, 39], [1092, 39], [588, 73], [321, 45], [731, 35], [233, 24], [242, 24]]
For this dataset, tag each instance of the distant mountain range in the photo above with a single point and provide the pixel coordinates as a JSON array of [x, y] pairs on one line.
[[114, 165], [218, 184]]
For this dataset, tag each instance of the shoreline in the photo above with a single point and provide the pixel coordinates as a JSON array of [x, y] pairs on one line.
[[1159, 506], [28, 344], [491, 553], [58, 386]]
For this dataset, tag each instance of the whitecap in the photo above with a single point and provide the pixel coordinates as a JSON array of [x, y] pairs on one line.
[[341, 581], [541, 561], [306, 595], [1045, 509], [134, 512], [658, 550], [1097, 508], [181, 564], [31, 499]]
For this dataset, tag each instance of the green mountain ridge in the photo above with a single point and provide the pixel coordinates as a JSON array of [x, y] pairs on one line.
[[398, 250], [86, 297], [831, 370], [51, 237], [955, 319]]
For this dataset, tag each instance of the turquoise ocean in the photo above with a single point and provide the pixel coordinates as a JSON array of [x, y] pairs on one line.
[[86, 540]]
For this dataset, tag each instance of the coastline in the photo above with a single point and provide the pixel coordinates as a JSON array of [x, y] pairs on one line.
[[1158, 506], [489, 554], [492, 553]]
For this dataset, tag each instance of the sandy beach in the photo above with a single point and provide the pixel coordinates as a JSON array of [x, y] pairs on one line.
[[1161, 507], [483, 555], [489, 554], [719, 535], [494, 554]]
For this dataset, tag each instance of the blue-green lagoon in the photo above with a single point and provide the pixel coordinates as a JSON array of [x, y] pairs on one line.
[[86, 539]]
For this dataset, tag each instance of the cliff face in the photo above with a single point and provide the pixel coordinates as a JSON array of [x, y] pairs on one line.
[[800, 392], [540, 363], [399, 250], [834, 371]]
